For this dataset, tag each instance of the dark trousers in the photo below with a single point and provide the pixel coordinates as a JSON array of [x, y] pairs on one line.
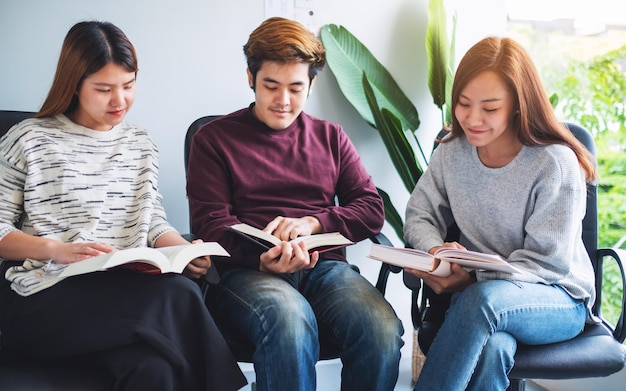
[[149, 331]]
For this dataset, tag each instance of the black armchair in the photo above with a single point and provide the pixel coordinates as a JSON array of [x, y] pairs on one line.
[[20, 373], [243, 352], [596, 352]]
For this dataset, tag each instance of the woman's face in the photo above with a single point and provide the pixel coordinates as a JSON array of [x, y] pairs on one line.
[[484, 111], [105, 97]]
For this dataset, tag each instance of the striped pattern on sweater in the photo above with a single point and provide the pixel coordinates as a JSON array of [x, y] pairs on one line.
[[62, 181]]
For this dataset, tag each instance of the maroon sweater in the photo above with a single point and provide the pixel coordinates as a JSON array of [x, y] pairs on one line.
[[240, 170]]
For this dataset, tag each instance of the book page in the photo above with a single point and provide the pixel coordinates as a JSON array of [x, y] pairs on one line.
[[256, 233], [180, 256], [421, 260], [117, 258], [403, 257], [455, 253], [323, 242], [476, 260], [146, 259], [317, 242]]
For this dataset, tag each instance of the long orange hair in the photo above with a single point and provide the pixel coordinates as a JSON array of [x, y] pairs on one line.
[[533, 119]]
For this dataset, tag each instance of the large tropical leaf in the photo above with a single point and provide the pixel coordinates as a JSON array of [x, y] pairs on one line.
[[450, 75], [348, 59], [391, 215], [437, 50], [395, 140]]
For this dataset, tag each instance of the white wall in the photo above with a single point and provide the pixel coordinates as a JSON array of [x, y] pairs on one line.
[[191, 64]]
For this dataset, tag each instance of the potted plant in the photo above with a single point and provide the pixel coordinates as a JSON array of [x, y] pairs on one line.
[[376, 96]]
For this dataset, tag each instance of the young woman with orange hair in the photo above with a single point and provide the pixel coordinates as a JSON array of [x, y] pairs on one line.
[[513, 179]]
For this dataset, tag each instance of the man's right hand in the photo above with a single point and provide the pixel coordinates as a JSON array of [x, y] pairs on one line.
[[287, 258]]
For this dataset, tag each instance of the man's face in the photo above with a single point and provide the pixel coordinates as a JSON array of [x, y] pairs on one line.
[[280, 93]]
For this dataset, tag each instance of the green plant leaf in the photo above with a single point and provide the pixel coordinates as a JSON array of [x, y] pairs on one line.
[[554, 100], [348, 59], [438, 51], [391, 215], [390, 129], [450, 76]]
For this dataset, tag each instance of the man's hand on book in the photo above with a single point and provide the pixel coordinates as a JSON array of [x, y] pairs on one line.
[[287, 228], [287, 258]]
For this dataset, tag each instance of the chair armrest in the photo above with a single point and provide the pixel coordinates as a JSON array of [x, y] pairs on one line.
[[385, 268], [380, 238], [618, 255]]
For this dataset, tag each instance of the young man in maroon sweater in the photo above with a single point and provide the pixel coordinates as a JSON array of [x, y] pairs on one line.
[[279, 169]]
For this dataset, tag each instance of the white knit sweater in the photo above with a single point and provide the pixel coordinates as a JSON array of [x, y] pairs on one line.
[[63, 181]]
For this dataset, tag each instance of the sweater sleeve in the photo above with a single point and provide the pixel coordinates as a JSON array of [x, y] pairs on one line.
[[209, 188], [241, 171], [428, 212], [12, 177], [359, 213], [551, 245]]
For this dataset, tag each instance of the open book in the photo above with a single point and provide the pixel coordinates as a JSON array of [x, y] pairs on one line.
[[316, 242], [439, 263], [172, 259]]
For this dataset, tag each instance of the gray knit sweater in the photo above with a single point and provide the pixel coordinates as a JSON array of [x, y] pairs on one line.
[[63, 181], [529, 211]]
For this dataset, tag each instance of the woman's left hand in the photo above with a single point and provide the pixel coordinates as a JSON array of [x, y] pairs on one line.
[[198, 267], [458, 280]]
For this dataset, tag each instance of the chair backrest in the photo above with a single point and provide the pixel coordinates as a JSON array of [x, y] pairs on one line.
[[590, 221], [9, 118], [193, 128]]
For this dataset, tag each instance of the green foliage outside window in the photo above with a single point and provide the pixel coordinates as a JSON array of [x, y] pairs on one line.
[[593, 94]]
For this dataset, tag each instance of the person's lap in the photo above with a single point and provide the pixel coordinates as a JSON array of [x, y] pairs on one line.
[[288, 316], [103, 316], [484, 324]]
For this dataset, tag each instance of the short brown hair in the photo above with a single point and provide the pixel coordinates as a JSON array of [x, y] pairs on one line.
[[284, 41], [87, 48]]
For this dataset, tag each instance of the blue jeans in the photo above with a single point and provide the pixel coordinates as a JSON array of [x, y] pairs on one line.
[[475, 346], [286, 316]]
